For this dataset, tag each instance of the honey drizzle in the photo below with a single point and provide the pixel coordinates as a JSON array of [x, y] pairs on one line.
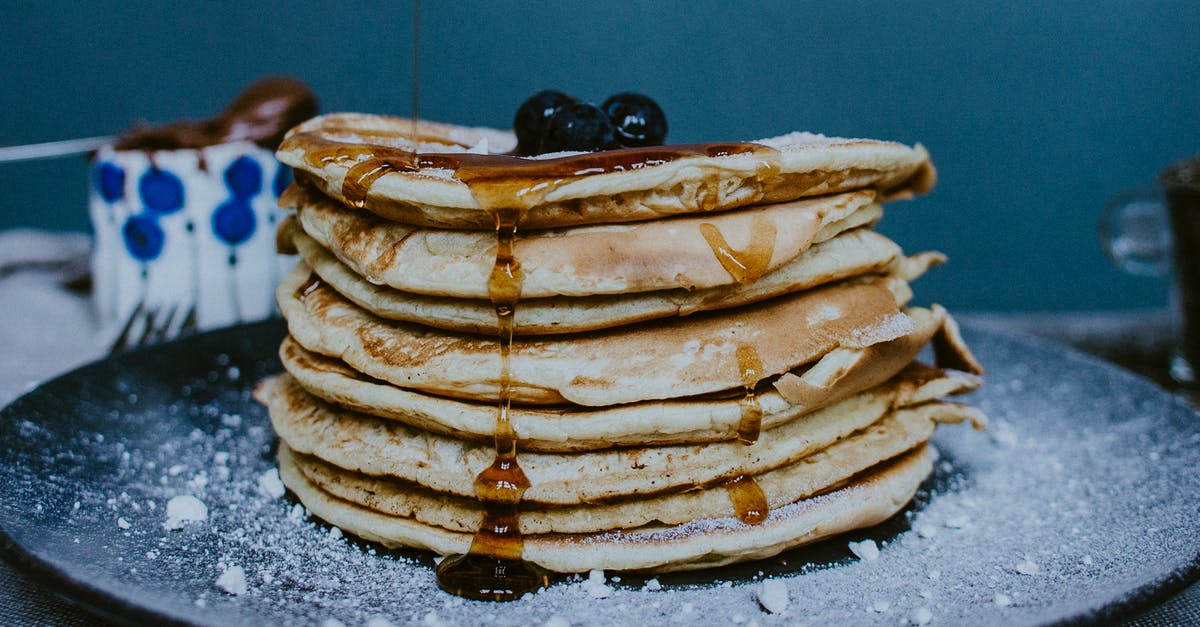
[[493, 568], [505, 185], [745, 266], [521, 182], [751, 368], [748, 499]]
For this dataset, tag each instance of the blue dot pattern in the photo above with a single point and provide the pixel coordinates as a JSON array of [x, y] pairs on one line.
[[110, 181], [143, 237], [161, 191], [244, 177], [283, 178], [233, 221]]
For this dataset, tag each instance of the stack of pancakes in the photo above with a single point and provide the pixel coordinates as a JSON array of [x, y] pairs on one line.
[[671, 357]]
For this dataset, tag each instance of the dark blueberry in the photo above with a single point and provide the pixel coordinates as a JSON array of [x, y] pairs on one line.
[[161, 191], [143, 237], [581, 127], [244, 177], [233, 222], [638, 119], [530, 122]]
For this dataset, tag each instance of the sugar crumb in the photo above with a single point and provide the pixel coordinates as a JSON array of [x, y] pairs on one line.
[[182, 509], [232, 581], [1027, 567], [269, 484], [772, 595], [866, 550]]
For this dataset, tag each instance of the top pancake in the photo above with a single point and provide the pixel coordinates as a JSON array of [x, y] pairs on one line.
[[367, 161]]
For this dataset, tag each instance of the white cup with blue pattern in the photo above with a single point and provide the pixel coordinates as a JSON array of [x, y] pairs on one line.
[[184, 239]]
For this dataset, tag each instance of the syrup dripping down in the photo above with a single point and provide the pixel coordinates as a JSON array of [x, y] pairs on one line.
[[745, 266], [750, 366], [748, 499], [505, 186], [494, 569]]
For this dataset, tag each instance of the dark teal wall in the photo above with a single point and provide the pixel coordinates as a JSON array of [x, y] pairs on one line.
[[1035, 112]]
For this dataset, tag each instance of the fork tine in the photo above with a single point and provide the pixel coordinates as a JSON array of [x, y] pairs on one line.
[[162, 331], [189, 322], [148, 330], [122, 341]]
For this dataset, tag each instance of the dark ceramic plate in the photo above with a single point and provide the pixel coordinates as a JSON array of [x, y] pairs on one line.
[[1079, 503]]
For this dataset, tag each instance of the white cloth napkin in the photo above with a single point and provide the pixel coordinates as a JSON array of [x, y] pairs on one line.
[[46, 328]]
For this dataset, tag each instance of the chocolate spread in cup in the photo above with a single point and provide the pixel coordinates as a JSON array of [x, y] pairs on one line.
[[262, 114]]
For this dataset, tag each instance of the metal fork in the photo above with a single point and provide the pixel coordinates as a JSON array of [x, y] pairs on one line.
[[147, 326]]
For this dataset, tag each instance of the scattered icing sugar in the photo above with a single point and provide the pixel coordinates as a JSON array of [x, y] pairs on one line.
[[921, 616], [890, 328], [595, 587], [1026, 567], [866, 550], [232, 581], [270, 485], [772, 595], [556, 621], [958, 522], [182, 509], [1071, 474]]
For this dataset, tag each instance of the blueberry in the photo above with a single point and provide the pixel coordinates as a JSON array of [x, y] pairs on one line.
[[581, 127], [638, 119], [533, 116]]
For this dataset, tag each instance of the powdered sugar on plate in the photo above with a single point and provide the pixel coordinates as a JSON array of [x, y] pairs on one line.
[[1087, 498]]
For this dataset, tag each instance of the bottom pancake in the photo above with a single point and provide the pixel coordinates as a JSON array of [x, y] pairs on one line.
[[868, 499]]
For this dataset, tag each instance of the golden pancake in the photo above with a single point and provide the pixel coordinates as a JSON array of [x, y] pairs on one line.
[[736, 247], [572, 428], [895, 433], [374, 446], [854, 253], [679, 357], [367, 161], [868, 499]]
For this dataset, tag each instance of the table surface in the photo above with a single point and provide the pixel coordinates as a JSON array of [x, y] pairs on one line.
[[46, 328]]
